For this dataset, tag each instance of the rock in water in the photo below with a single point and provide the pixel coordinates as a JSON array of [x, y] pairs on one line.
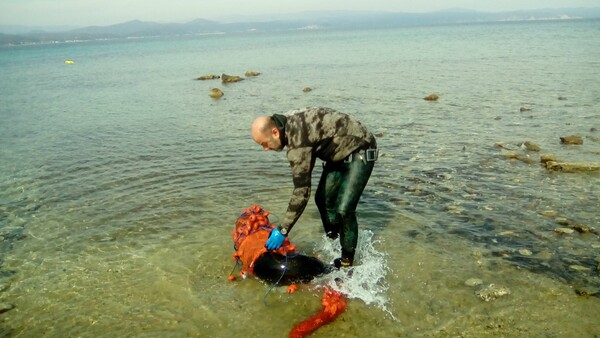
[[571, 139], [251, 73], [216, 93], [492, 292], [208, 77], [230, 78], [432, 97]]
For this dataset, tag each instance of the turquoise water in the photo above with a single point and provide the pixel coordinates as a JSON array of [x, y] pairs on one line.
[[121, 180]]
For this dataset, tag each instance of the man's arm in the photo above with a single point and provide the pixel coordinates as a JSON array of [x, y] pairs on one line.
[[302, 162]]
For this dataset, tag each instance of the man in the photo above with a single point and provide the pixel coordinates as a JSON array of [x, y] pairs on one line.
[[350, 152]]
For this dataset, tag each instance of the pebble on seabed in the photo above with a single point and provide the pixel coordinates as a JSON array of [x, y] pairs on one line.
[[525, 252], [473, 282], [491, 292]]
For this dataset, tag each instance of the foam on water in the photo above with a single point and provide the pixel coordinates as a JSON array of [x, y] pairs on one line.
[[366, 279]]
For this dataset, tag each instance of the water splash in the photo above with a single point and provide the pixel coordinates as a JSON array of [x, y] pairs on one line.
[[366, 279]]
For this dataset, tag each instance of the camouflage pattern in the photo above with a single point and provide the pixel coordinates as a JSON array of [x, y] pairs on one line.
[[321, 133]]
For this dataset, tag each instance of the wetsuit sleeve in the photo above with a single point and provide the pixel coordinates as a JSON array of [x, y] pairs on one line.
[[302, 162]]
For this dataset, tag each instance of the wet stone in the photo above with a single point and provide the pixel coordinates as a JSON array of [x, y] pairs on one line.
[[571, 139], [492, 292], [582, 228], [208, 77], [216, 93], [548, 213], [250, 73], [473, 282], [576, 267], [525, 252], [6, 307], [230, 78], [432, 97], [571, 167], [531, 146], [564, 231], [587, 291], [547, 158]]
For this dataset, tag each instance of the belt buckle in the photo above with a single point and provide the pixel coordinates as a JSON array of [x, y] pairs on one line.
[[371, 155]]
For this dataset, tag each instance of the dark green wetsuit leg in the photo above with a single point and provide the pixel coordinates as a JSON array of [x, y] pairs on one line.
[[337, 197]]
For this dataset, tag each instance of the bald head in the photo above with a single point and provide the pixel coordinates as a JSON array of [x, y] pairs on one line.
[[265, 133]]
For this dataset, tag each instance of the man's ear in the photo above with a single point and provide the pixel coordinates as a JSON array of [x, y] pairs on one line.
[[275, 132]]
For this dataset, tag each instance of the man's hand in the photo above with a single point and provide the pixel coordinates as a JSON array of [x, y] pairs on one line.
[[275, 240]]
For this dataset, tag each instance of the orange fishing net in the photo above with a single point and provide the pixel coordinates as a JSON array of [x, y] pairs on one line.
[[252, 231], [333, 305]]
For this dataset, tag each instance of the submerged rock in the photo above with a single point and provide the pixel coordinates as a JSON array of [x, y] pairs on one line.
[[524, 109], [587, 291], [571, 167], [473, 282], [547, 158], [582, 228], [216, 93], [525, 252], [431, 97], [4, 307], [513, 155], [492, 292], [571, 139], [307, 89], [564, 231], [250, 73], [230, 78], [531, 146], [577, 267], [548, 213], [208, 77]]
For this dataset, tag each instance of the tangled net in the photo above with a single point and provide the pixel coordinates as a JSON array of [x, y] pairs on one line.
[[333, 306], [252, 230]]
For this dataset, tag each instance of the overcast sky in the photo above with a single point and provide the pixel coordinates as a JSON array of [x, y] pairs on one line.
[[107, 12]]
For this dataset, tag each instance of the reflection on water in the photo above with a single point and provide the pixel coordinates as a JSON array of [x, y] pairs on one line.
[[118, 198]]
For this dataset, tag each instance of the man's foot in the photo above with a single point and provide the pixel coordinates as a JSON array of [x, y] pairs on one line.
[[342, 263], [332, 234]]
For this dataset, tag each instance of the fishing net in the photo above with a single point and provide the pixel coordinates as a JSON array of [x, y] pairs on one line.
[[252, 230]]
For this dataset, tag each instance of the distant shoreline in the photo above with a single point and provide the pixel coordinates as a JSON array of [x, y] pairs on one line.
[[325, 21]]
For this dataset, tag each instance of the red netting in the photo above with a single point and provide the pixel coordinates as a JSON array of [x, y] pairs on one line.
[[333, 305], [251, 232]]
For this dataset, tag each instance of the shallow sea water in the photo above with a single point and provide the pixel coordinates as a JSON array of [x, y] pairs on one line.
[[121, 180]]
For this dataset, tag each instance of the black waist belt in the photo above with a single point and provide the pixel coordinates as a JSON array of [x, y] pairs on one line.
[[364, 155]]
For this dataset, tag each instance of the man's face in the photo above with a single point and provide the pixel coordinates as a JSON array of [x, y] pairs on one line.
[[269, 140]]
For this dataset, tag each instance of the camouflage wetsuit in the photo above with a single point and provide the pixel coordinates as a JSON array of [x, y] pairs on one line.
[[341, 142]]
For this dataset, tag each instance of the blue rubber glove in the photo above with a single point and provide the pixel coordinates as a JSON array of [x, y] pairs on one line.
[[275, 240]]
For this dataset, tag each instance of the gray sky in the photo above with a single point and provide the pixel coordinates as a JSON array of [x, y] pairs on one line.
[[107, 12]]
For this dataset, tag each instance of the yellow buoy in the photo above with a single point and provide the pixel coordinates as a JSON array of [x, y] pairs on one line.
[[69, 62]]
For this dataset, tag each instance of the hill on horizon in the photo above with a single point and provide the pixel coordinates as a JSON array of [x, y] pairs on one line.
[[12, 35]]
